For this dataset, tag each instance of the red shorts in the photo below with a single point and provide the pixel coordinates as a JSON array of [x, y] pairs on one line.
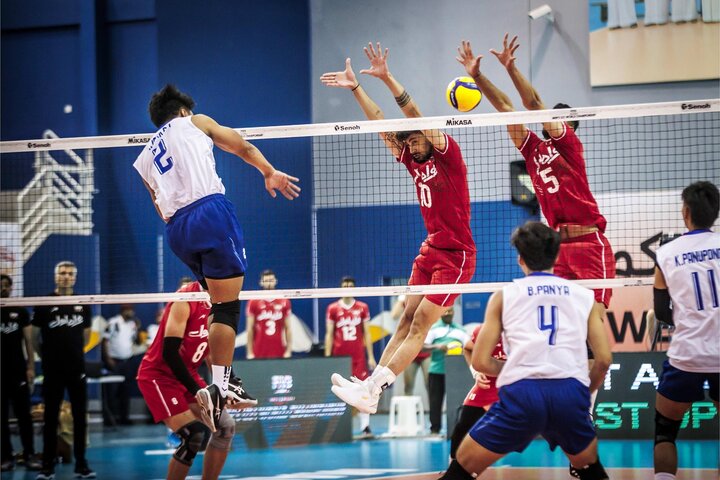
[[434, 266], [166, 397], [587, 257], [359, 367]]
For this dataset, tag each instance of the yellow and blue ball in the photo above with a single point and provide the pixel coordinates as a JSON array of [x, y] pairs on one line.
[[463, 94]]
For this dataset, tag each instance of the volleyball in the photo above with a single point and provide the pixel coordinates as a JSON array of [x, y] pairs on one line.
[[463, 94], [454, 348]]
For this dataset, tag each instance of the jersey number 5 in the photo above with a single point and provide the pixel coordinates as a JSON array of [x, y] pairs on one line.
[[159, 152], [552, 325], [548, 178]]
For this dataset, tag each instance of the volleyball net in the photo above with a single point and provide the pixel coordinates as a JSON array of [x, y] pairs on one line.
[[80, 199]]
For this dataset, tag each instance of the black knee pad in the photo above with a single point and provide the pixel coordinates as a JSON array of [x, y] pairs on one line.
[[666, 430], [227, 313], [594, 471], [193, 439]]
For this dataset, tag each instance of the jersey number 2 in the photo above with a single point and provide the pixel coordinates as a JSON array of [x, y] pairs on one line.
[[163, 165], [552, 325]]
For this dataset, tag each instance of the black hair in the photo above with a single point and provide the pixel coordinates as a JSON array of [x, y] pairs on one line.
[[6, 277], [166, 104], [402, 136], [703, 201], [347, 278], [574, 124], [267, 272], [537, 244]]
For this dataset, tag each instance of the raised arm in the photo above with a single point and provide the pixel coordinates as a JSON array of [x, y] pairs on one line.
[[229, 140], [346, 79], [379, 69], [329, 336], [495, 96], [482, 358], [530, 97]]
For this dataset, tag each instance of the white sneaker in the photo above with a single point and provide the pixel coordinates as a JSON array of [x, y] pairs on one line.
[[341, 381], [358, 395]]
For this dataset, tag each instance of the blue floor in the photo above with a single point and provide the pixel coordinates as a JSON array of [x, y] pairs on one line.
[[139, 452]]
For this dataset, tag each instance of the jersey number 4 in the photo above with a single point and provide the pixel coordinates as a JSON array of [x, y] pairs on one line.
[[552, 325], [162, 164]]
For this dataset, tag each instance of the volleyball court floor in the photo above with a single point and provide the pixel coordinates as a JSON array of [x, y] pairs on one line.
[[139, 452]]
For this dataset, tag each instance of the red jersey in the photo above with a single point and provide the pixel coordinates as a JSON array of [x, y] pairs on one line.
[[442, 191], [349, 327], [558, 173], [480, 397], [270, 315], [194, 347]]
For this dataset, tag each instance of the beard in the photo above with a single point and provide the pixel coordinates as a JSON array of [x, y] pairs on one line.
[[422, 157]]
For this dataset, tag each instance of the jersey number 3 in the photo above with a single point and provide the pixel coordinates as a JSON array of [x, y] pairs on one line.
[[162, 164]]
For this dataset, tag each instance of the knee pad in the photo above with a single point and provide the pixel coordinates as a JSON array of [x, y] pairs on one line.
[[223, 436], [594, 471], [193, 439], [455, 471], [227, 313], [666, 430]]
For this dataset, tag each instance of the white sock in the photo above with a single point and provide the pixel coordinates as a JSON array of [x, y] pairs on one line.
[[382, 378], [221, 377], [364, 420], [664, 476]]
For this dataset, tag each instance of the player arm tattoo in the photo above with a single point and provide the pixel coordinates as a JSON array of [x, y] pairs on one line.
[[403, 99]]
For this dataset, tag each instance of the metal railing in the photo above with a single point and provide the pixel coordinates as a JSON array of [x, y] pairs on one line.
[[58, 199]]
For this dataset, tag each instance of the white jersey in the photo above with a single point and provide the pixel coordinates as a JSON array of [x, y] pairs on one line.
[[544, 321], [179, 165], [691, 266]]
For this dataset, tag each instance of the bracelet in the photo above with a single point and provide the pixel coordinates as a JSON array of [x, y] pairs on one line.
[[355, 87], [403, 99]]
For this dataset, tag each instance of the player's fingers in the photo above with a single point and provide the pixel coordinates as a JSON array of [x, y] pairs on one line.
[[365, 71], [272, 193], [514, 39], [290, 177], [367, 53], [514, 48], [294, 187], [387, 52]]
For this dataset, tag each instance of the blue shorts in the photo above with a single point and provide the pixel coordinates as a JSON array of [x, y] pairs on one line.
[[207, 237], [557, 409], [687, 387]]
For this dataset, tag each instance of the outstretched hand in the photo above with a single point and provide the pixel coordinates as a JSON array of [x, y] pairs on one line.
[[468, 60], [507, 56], [378, 61], [344, 79], [284, 183]]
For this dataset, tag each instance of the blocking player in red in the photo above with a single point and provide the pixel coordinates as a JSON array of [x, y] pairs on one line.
[[268, 324], [168, 380], [480, 397], [348, 333], [556, 166], [447, 256]]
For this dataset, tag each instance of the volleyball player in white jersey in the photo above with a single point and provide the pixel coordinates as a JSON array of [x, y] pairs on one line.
[[178, 169], [688, 274], [544, 386]]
